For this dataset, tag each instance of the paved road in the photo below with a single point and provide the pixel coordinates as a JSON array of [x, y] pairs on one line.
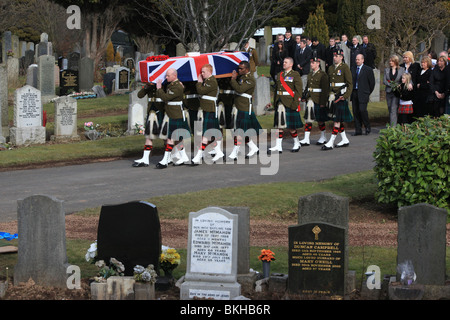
[[97, 184]]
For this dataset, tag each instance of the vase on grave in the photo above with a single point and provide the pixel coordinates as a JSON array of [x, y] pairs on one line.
[[266, 269], [92, 134]]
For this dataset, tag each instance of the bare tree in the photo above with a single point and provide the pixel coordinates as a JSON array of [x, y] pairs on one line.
[[212, 23]]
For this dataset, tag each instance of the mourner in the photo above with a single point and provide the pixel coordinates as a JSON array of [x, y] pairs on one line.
[[208, 91], [155, 114], [244, 117], [287, 113], [317, 96], [173, 98], [341, 86]]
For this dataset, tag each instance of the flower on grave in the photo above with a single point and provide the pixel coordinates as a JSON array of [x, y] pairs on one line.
[[91, 253], [266, 255], [142, 274], [139, 128], [90, 126], [115, 268], [10, 53], [169, 259]]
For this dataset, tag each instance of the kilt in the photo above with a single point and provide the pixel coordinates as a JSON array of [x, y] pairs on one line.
[[293, 119], [151, 135], [245, 121], [342, 112], [210, 121], [175, 124], [321, 114], [405, 109]]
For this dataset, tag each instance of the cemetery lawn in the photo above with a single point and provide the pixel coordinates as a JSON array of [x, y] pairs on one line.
[[372, 230]]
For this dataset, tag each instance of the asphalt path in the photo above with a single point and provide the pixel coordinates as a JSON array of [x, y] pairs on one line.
[[105, 183]]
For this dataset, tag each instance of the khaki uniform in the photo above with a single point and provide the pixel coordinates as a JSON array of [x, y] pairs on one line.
[[338, 76], [209, 88], [150, 91], [318, 87], [244, 86], [174, 93], [294, 82], [253, 59]]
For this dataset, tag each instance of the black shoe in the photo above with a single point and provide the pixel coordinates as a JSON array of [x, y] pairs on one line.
[[304, 144], [161, 166], [140, 164], [357, 134], [270, 152], [325, 148], [296, 150], [321, 143], [368, 132], [342, 145]]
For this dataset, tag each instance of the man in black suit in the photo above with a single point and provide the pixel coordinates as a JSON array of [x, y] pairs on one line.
[[289, 43], [355, 49], [363, 85], [319, 48], [369, 51], [329, 53], [302, 60]]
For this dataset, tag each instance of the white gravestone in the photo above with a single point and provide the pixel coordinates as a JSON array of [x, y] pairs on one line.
[[211, 270], [27, 128], [137, 111], [65, 119]]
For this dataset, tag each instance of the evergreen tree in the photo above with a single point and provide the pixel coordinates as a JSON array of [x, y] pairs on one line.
[[316, 26]]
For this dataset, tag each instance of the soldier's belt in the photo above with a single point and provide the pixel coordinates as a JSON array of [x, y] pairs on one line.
[[283, 93], [249, 97], [191, 96], [226, 91], [155, 100], [337, 84], [314, 90], [208, 98], [178, 103]]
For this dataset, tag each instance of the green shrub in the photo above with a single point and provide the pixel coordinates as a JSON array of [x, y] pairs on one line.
[[412, 163]]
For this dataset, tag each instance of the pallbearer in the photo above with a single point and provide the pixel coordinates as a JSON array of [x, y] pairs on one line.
[[155, 115], [208, 91], [244, 117], [173, 98], [317, 96], [287, 113], [341, 86]]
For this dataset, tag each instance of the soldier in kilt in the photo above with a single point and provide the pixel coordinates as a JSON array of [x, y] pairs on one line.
[[287, 112], [178, 123], [341, 86], [208, 91], [244, 117], [317, 96], [155, 115]]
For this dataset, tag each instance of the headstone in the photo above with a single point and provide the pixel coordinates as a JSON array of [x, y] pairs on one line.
[[42, 242], [422, 240], [137, 110], [318, 253], [30, 46], [375, 95], [6, 45], [69, 82], [73, 61], [44, 47], [86, 69], [29, 58], [180, 50], [32, 75], [122, 79], [211, 270], [56, 75], [27, 128], [98, 90], [46, 77], [4, 121], [261, 97], [15, 46], [13, 71], [65, 119], [131, 233], [23, 48]]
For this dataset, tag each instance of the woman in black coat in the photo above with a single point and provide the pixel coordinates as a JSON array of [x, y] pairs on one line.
[[410, 66], [438, 83], [423, 98], [279, 54]]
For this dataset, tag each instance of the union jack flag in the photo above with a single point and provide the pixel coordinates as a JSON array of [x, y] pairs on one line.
[[189, 67]]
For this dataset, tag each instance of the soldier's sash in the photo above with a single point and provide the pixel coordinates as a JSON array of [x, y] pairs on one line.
[[289, 90]]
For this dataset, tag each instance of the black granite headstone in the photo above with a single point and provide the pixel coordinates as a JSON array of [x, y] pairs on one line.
[[316, 259], [131, 233], [124, 76], [68, 81], [108, 81]]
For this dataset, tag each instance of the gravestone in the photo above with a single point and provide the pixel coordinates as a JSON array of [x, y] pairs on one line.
[[46, 77], [122, 79], [29, 58], [23, 48], [27, 127], [44, 47], [13, 71], [4, 121], [375, 95], [137, 110], [131, 233], [98, 90], [211, 270], [316, 259], [86, 69], [325, 215], [73, 61], [56, 76], [6, 45], [65, 120], [68, 82], [422, 240], [42, 242], [32, 75], [15, 46], [261, 97]]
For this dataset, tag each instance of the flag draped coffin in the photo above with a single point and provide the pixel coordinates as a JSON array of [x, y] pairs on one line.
[[189, 67]]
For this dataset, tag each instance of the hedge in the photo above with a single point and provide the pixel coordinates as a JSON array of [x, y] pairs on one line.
[[412, 163]]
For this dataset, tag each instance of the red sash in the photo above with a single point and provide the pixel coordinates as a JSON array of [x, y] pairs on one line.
[[289, 90]]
